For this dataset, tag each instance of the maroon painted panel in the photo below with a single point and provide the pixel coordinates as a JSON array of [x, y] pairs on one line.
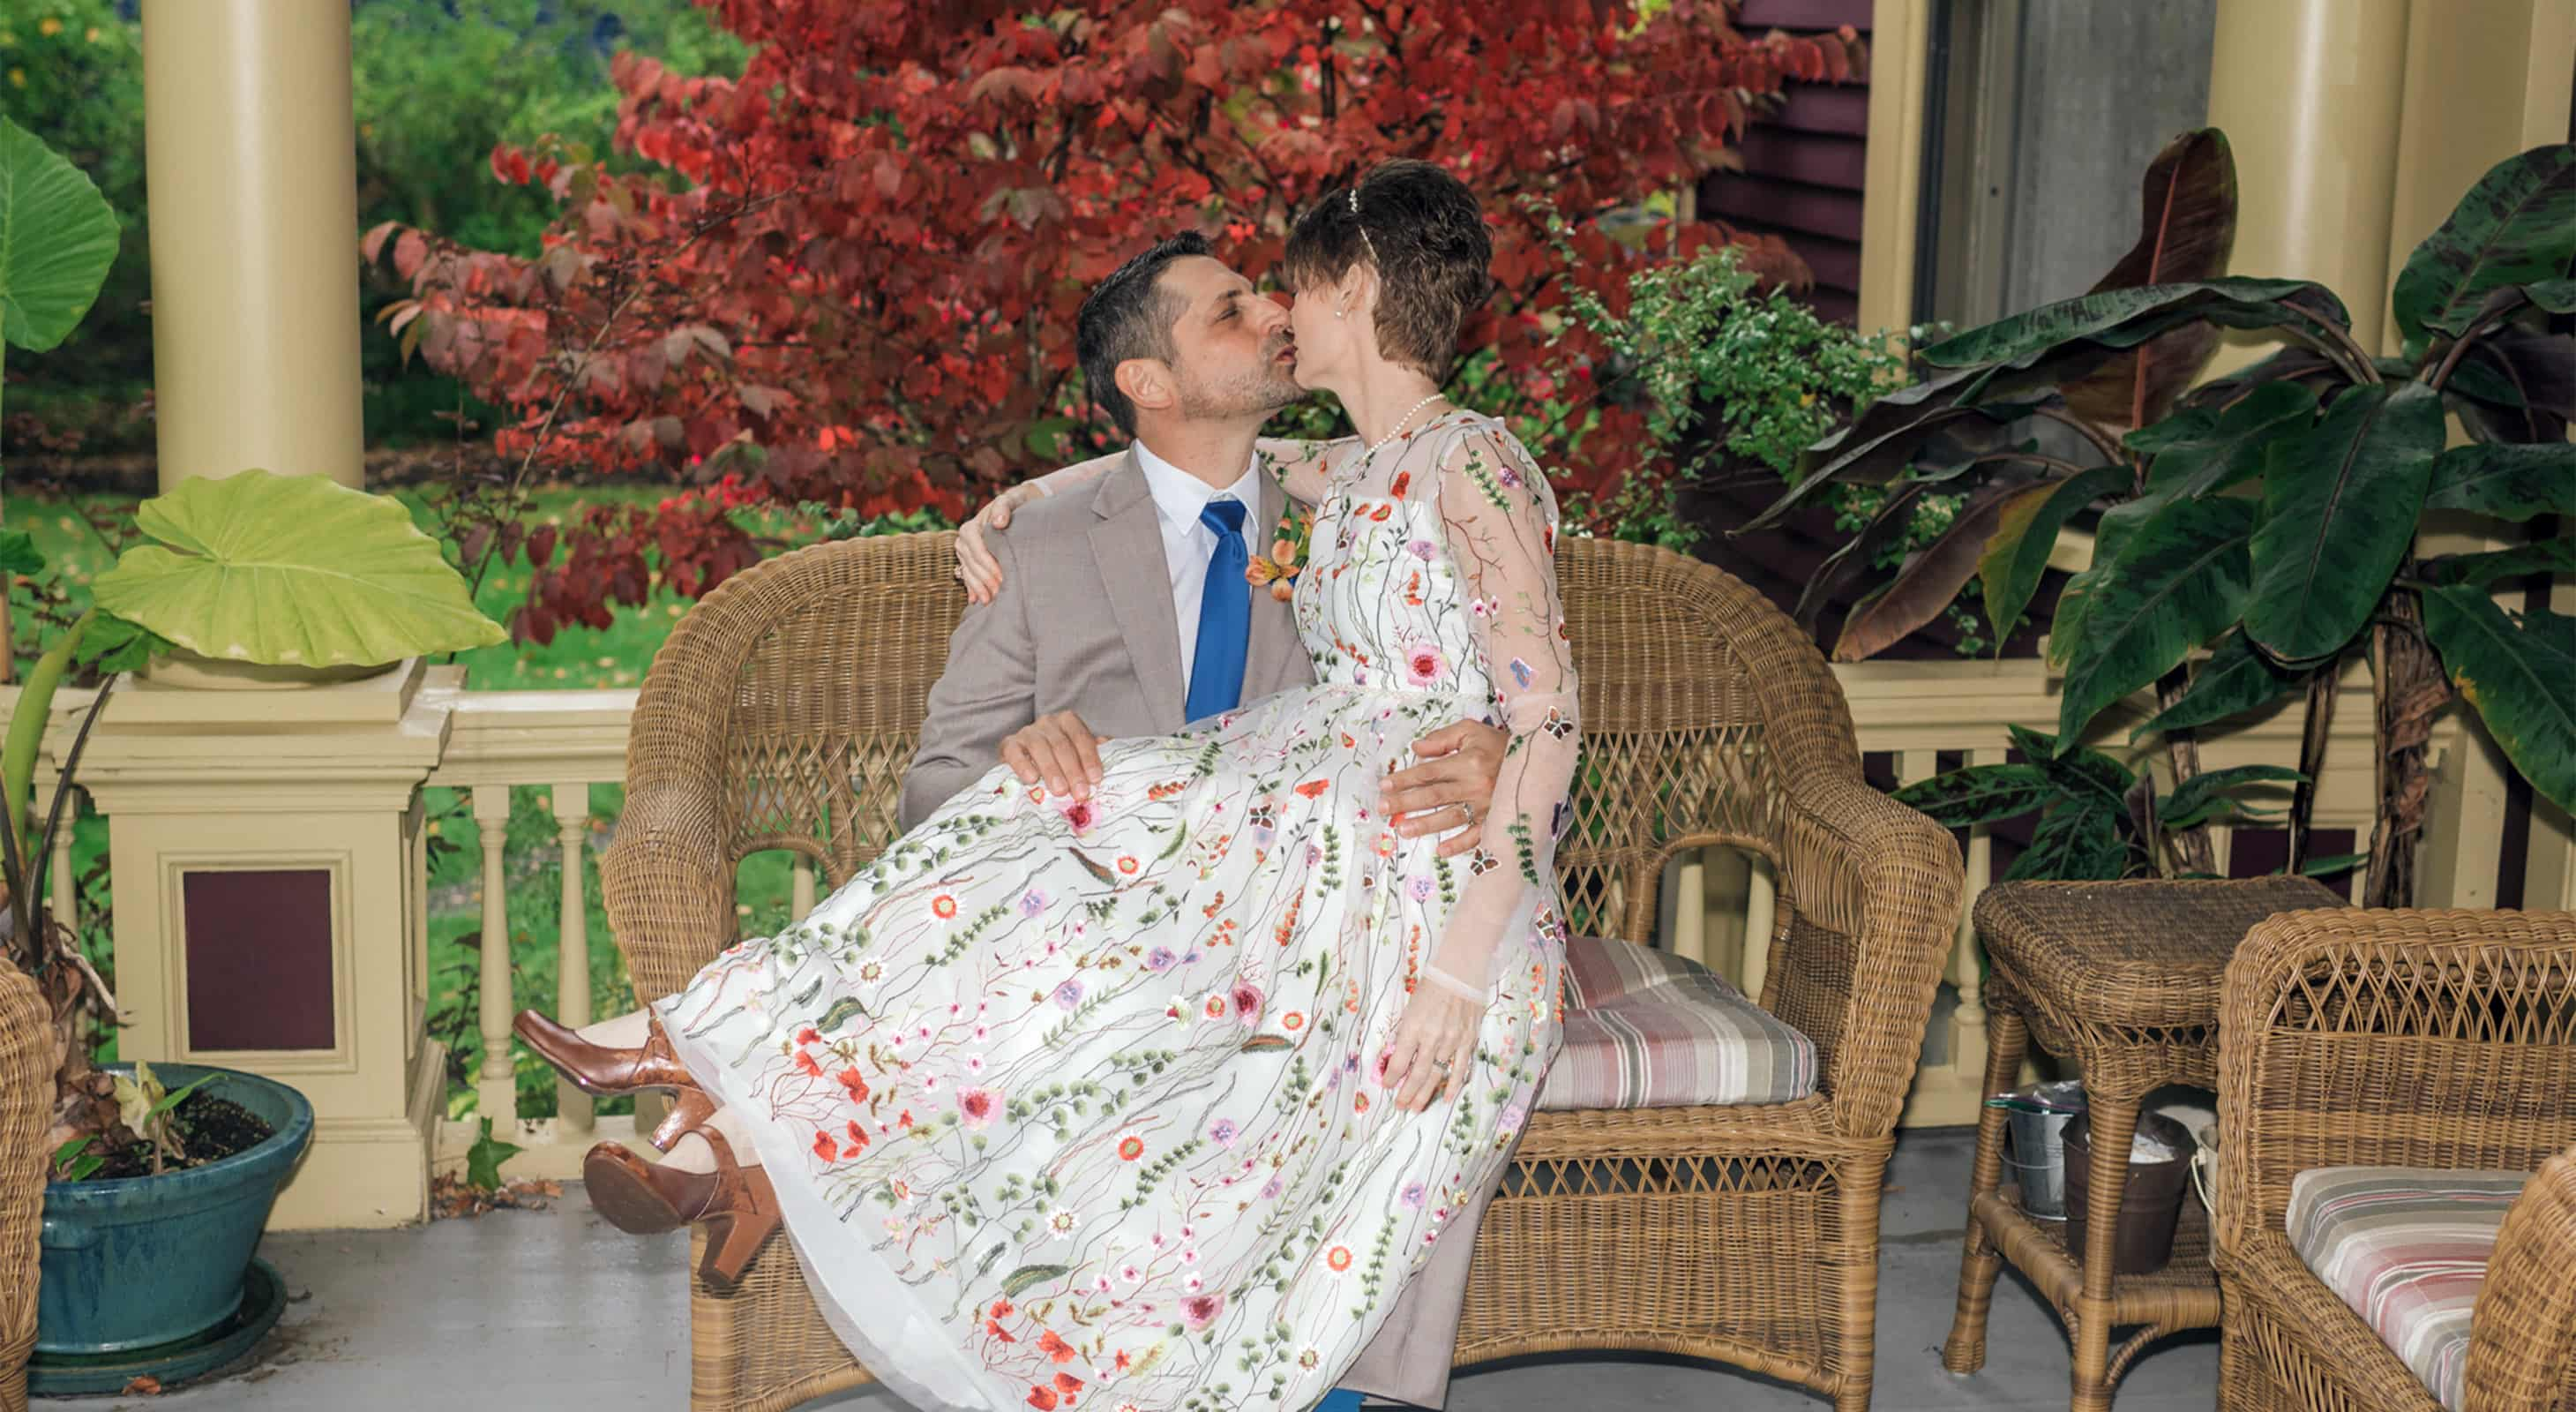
[[1818, 159], [1760, 15], [1831, 108], [1815, 209], [259, 958]]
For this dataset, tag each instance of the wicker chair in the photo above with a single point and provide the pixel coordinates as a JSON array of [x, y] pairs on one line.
[[782, 712], [26, 1103], [2407, 1039]]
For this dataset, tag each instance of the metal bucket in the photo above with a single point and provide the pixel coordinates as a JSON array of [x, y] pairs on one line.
[[2036, 1161]]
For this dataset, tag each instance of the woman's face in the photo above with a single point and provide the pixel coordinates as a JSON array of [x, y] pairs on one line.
[[1327, 346]]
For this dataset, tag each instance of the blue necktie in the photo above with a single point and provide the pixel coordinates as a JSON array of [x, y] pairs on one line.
[[1225, 616]]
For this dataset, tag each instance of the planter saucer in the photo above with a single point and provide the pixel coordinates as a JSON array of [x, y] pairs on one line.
[[263, 1300]]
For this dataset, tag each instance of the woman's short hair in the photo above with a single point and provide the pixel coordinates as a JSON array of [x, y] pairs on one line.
[[1421, 229]]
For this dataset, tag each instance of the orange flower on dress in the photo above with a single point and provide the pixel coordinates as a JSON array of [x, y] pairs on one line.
[[855, 1085], [1312, 789], [1053, 1346], [825, 1148], [1130, 1148], [944, 905], [807, 1063], [1339, 1257]]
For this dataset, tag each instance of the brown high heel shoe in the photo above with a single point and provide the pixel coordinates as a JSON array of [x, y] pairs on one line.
[[609, 1072], [736, 1203]]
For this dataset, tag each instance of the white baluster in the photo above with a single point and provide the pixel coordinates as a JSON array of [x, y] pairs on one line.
[[498, 1087], [1690, 905], [1761, 914], [574, 1110], [800, 889], [1968, 1022]]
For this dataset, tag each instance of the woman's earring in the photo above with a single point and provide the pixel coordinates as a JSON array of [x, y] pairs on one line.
[[1341, 313]]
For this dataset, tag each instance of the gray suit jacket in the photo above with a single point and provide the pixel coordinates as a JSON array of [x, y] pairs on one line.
[[1083, 623]]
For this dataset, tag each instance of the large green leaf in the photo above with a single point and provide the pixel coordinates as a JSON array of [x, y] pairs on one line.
[[2547, 556], [2189, 220], [2123, 317], [1979, 794], [2204, 796], [2180, 580], [2074, 843], [2518, 677], [2509, 480], [2340, 502], [2516, 226], [1929, 581], [2292, 364], [1876, 446], [2234, 680], [57, 238], [2558, 296], [1858, 555], [2017, 551], [291, 570], [2208, 449]]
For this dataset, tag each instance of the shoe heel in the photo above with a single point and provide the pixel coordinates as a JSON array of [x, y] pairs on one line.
[[687, 1115], [733, 1239]]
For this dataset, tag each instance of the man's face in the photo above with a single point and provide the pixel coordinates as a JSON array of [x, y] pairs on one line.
[[1234, 357]]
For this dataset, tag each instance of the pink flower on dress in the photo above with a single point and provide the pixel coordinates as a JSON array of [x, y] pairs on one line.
[[1422, 662], [1077, 813], [1200, 1310], [1247, 1002], [977, 1106]]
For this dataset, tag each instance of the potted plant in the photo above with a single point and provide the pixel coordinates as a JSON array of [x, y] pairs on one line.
[[2257, 534], [162, 1179]]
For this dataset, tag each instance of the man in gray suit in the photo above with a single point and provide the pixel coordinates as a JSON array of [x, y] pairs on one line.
[[1087, 624]]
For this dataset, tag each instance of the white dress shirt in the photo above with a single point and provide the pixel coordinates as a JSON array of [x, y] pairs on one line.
[[1178, 499]]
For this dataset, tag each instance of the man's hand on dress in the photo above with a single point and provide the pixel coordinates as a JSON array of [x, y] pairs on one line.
[[1453, 787], [1059, 750]]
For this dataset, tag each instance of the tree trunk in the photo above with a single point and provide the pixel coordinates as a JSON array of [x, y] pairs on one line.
[[2191, 846], [2410, 691], [2318, 722]]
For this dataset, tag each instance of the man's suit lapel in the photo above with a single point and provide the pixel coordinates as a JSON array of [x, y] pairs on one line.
[[1128, 543], [1274, 625]]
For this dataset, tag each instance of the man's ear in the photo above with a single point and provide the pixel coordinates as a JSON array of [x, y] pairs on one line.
[[1148, 383]]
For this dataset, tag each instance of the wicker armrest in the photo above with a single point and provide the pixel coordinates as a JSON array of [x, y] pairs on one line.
[[2522, 1336], [1873, 891], [26, 1105], [668, 884], [2389, 1038]]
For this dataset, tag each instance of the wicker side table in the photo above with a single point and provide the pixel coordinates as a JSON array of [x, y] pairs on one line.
[[2123, 978]]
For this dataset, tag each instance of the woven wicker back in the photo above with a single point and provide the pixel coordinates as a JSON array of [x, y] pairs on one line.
[[784, 708]]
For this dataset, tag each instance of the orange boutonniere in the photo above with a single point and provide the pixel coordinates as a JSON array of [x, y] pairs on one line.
[[1288, 547]]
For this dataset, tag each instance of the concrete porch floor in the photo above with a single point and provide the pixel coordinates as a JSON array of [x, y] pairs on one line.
[[555, 1309]]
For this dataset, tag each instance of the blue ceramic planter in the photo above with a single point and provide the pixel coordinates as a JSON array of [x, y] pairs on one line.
[[143, 1261]]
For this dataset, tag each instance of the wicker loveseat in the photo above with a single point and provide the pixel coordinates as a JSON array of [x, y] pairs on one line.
[[2356, 1040], [782, 712], [26, 1103]]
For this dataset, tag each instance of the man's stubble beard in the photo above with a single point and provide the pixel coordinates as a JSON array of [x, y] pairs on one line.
[[1240, 397]]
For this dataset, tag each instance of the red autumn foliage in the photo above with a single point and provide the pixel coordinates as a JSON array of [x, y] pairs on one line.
[[865, 294]]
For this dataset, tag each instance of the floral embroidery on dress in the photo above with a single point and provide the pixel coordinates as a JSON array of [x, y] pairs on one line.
[[1078, 1104]]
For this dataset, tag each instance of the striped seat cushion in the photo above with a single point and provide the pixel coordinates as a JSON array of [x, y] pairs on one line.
[[1647, 1029], [2407, 1248]]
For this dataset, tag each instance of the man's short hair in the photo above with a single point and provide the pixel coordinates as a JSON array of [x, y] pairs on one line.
[[1129, 315]]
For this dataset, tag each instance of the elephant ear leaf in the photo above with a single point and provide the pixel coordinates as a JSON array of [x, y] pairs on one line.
[[2517, 226], [57, 238], [291, 570], [2189, 233], [2179, 580], [2340, 505]]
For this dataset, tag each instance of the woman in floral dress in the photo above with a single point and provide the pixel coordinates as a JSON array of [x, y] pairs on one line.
[[1155, 1099]]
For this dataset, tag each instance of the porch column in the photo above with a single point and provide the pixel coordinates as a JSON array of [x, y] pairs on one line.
[[250, 147], [2309, 93]]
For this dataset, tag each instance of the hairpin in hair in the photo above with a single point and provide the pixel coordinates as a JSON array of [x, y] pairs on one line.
[[1363, 230]]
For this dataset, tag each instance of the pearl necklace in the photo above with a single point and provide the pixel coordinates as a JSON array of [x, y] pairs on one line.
[[1400, 421]]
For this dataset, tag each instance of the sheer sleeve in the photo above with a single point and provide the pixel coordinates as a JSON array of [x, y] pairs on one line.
[[1306, 467], [1500, 521]]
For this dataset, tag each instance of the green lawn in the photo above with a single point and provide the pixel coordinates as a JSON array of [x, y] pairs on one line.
[[577, 658]]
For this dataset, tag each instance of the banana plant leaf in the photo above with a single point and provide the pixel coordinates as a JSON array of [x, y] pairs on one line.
[[2203, 450], [2305, 366], [2507, 480], [1929, 581], [2189, 220], [2204, 796], [2484, 570], [2180, 580], [2515, 385], [2126, 317], [57, 238], [2517, 675], [1885, 434], [2340, 502], [2025, 532], [2236, 679], [291, 570], [2516, 226]]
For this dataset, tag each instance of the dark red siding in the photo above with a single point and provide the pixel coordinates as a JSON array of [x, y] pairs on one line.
[[1804, 162]]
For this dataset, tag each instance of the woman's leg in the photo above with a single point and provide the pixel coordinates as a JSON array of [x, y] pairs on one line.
[[692, 1153], [627, 1031]]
